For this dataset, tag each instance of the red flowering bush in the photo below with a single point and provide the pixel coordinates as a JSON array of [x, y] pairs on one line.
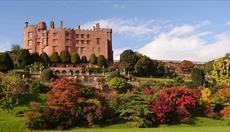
[[224, 95], [148, 91], [174, 105], [64, 92], [59, 118], [225, 112]]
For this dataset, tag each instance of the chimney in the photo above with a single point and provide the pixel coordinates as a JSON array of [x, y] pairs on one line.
[[79, 27], [26, 24], [61, 24], [97, 25], [51, 24]]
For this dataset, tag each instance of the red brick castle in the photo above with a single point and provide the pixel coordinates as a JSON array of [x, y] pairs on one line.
[[38, 38]]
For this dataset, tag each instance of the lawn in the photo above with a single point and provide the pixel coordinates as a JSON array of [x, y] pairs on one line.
[[10, 123]]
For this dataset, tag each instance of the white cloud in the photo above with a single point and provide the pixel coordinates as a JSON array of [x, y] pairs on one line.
[[186, 42], [227, 23], [4, 45], [128, 27], [117, 52]]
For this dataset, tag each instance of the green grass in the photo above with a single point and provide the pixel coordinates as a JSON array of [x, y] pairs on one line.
[[10, 123], [154, 79]]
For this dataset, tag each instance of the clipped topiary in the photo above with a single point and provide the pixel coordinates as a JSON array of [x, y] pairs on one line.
[[45, 58], [93, 59], [75, 58], [55, 58], [102, 61], [23, 59], [65, 56]]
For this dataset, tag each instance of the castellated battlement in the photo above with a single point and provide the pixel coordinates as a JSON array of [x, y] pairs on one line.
[[41, 38]]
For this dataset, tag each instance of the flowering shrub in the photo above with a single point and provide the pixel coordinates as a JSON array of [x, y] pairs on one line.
[[59, 118], [148, 91], [225, 112], [64, 92], [174, 105], [208, 102], [224, 95]]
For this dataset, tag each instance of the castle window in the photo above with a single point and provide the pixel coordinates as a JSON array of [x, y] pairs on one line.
[[82, 35], [82, 49], [55, 41], [54, 34], [87, 35], [67, 41], [38, 43], [98, 40], [30, 34], [88, 41], [67, 34], [77, 35], [30, 42], [77, 41], [82, 41]]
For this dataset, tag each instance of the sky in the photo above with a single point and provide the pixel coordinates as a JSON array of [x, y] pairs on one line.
[[197, 30]]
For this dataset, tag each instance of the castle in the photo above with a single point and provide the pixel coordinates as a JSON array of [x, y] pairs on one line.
[[37, 38]]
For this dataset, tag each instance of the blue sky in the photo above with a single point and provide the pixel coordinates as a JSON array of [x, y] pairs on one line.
[[198, 30]]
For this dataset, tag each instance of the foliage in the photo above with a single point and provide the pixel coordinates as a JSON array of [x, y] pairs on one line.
[[35, 57], [198, 76], [45, 58], [15, 48], [224, 95], [84, 59], [37, 66], [36, 87], [186, 66], [208, 67], [95, 70], [101, 62], [65, 56], [221, 70], [93, 59], [179, 80], [87, 92], [6, 63], [119, 84], [23, 58], [64, 92], [147, 67], [55, 58], [225, 112], [135, 108], [113, 74], [10, 90], [60, 118], [46, 75], [75, 58], [128, 59], [174, 105]]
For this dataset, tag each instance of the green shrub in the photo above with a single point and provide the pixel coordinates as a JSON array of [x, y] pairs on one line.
[[179, 80], [75, 58], [198, 77], [55, 58], [6, 63], [36, 87], [102, 61], [23, 59], [46, 74], [45, 58], [65, 56], [119, 84], [35, 57], [93, 59]]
